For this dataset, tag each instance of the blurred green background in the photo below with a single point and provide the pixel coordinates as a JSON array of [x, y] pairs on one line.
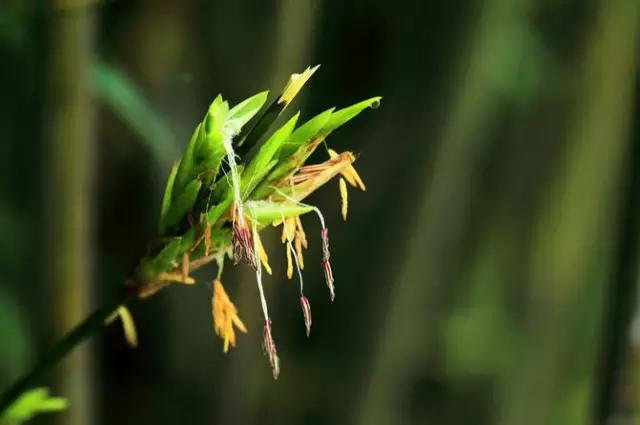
[[487, 276]]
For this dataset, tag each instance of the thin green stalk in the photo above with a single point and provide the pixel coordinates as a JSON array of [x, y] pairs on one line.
[[92, 324]]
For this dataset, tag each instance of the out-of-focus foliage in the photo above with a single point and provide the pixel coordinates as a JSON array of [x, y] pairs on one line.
[[30, 404], [15, 344], [116, 90]]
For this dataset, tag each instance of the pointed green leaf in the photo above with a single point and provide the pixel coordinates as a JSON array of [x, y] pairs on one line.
[[240, 114], [181, 205], [262, 163], [216, 115], [168, 190], [343, 115], [305, 133], [216, 212], [210, 149], [267, 211], [204, 153], [259, 129], [186, 169], [294, 152], [151, 266]]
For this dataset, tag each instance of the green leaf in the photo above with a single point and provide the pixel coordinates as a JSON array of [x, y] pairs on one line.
[[305, 133], [168, 190], [210, 146], [263, 161], [181, 205], [240, 114], [306, 139], [214, 213], [294, 152], [267, 211], [343, 115], [121, 94], [204, 152], [151, 266], [259, 129], [216, 115], [31, 403], [186, 168]]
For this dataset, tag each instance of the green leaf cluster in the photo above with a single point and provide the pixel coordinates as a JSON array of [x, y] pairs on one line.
[[198, 190]]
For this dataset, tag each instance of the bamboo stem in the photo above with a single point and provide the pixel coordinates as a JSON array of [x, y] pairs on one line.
[[81, 332], [68, 193], [621, 298]]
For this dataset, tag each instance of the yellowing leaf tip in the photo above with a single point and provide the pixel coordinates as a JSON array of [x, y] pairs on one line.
[[295, 84]]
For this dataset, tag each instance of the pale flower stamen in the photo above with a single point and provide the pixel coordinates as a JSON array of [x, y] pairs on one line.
[[243, 249], [268, 342], [270, 349], [306, 312], [326, 265]]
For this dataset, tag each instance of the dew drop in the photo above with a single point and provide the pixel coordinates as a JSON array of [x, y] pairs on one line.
[[375, 104]]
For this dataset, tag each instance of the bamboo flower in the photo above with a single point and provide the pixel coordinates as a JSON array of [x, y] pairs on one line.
[[216, 202]]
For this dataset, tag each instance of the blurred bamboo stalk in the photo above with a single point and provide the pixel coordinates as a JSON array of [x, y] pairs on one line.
[[573, 235], [615, 351], [439, 219], [69, 174], [296, 23]]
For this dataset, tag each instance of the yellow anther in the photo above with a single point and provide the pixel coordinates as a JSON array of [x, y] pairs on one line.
[[344, 196], [288, 229], [300, 232], [225, 316], [289, 263], [353, 177], [349, 173], [298, 244], [128, 326], [264, 259]]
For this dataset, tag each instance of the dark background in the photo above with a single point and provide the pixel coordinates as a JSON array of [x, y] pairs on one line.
[[476, 278]]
